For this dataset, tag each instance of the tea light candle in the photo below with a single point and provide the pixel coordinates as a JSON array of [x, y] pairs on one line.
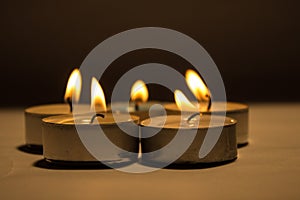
[[62, 143], [224, 150], [235, 110], [35, 114]]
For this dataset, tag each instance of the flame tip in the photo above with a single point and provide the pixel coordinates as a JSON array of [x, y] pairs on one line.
[[196, 84], [73, 88], [182, 102], [139, 91], [97, 95]]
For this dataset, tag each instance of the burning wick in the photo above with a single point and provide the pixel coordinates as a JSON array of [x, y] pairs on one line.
[[209, 102], [137, 104], [96, 115], [97, 96], [198, 87], [139, 94], [73, 88], [69, 101]]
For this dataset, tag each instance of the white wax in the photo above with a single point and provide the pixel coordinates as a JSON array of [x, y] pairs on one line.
[[62, 143], [237, 111], [199, 122]]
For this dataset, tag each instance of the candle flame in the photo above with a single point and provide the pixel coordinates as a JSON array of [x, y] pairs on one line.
[[197, 85], [97, 95], [139, 92], [73, 86], [183, 103]]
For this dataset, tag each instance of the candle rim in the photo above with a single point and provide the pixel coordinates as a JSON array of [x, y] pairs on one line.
[[57, 120], [242, 108], [37, 110], [230, 122]]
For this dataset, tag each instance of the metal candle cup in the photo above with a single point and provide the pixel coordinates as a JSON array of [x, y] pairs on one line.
[[224, 150], [62, 143]]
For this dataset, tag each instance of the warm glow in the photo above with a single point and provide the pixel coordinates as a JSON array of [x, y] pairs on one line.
[[183, 103], [73, 87], [196, 85], [97, 96], [139, 92]]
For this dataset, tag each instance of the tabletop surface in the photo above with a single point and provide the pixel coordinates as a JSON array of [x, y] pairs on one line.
[[268, 168]]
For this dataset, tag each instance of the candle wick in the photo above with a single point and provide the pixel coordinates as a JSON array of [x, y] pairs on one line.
[[192, 116], [137, 105], [69, 101], [96, 115], [209, 102]]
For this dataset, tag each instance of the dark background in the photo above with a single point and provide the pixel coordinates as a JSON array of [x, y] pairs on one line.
[[255, 44]]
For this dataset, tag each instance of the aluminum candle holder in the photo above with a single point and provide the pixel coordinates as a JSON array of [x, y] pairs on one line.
[[224, 150], [62, 143]]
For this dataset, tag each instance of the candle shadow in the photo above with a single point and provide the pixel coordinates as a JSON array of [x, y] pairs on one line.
[[32, 149], [69, 165], [242, 145], [189, 166], [199, 165]]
